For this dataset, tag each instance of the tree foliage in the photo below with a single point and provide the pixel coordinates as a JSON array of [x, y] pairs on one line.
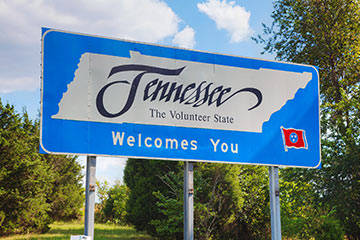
[[255, 214], [102, 189], [23, 179], [143, 177], [35, 189], [326, 33], [67, 195], [115, 204], [112, 203], [229, 200], [302, 215]]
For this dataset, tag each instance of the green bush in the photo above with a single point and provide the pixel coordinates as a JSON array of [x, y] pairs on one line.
[[112, 205], [313, 225], [328, 228], [115, 204]]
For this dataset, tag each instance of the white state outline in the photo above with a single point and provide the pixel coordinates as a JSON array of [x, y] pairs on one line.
[[48, 30]]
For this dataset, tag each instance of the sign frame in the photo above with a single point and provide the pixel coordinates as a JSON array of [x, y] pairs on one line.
[[182, 54]]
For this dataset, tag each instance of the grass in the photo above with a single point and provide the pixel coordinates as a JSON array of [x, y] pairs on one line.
[[60, 230]]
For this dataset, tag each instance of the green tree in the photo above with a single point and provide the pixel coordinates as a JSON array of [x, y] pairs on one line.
[[143, 177], [23, 176], [102, 189], [302, 215], [326, 33], [35, 189], [67, 194], [115, 204], [229, 203], [112, 205], [170, 204], [254, 216]]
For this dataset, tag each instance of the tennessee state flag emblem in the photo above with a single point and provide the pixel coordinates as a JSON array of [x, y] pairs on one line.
[[294, 138]]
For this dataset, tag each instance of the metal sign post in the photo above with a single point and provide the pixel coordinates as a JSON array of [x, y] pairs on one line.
[[90, 196], [188, 201], [275, 203]]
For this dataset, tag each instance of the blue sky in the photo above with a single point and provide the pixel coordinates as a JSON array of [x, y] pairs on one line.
[[209, 25]]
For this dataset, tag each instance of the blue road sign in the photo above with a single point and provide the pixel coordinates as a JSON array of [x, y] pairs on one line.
[[111, 97]]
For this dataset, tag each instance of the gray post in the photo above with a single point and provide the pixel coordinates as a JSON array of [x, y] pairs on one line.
[[188, 201], [90, 196], [275, 203]]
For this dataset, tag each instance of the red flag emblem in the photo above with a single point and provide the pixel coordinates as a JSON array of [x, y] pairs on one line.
[[294, 138]]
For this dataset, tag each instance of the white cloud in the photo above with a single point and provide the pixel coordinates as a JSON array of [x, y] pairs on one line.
[[108, 169], [8, 85], [110, 163], [144, 20], [21, 22], [185, 38], [228, 16]]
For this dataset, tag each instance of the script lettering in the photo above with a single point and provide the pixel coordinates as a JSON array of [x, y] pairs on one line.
[[192, 94]]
